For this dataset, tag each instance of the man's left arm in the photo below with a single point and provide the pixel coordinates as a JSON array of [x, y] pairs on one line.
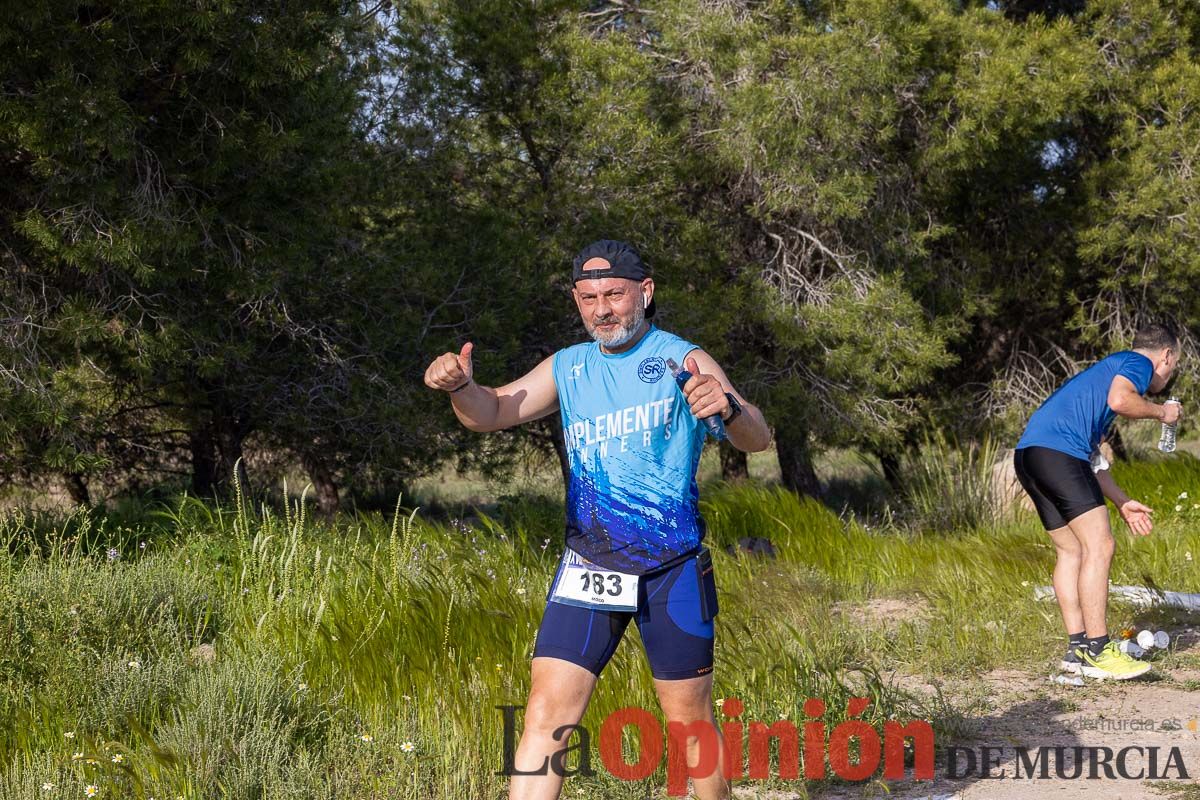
[[705, 393], [1136, 515]]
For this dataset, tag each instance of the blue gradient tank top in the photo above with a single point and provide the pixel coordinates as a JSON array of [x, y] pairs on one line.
[[633, 447]]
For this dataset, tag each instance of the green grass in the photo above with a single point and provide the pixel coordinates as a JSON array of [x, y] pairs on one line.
[[1176, 790], [949, 488], [336, 646]]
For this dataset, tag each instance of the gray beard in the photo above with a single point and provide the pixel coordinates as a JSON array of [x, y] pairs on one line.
[[622, 334]]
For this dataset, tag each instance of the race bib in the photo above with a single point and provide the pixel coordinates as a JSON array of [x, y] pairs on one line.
[[582, 583]]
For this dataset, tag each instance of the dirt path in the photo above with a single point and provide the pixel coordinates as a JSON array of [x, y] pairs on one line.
[[1007, 710], [1029, 711]]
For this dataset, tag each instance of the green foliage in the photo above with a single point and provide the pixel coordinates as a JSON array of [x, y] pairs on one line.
[[184, 247], [1160, 480], [949, 487], [333, 648], [72, 622], [239, 231], [1141, 240]]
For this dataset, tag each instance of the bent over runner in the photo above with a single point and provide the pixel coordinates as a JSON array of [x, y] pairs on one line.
[[1058, 463]]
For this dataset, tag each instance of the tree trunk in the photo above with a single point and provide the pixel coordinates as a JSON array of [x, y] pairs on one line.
[[796, 460], [77, 488], [231, 465], [890, 462], [321, 476], [734, 464], [204, 461]]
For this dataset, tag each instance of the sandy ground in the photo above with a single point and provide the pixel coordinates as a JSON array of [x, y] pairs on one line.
[[1007, 709]]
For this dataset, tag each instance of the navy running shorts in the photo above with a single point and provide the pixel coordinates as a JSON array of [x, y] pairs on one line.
[[1061, 486], [675, 614]]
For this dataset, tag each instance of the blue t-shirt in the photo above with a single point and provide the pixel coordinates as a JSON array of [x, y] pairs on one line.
[[633, 446], [1075, 418]]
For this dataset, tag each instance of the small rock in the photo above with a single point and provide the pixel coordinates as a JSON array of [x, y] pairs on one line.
[[754, 545], [203, 653]]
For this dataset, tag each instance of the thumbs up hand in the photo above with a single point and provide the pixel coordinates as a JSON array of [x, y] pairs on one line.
[[451, 371], [704, 393]]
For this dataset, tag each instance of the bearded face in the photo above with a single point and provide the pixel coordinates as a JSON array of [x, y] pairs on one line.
[[612, 309]]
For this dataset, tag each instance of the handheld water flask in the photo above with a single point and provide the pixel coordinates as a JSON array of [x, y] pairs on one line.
[[716, 428]]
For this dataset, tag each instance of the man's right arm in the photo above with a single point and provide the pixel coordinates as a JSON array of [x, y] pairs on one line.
[[1124, 399], [484, 409]]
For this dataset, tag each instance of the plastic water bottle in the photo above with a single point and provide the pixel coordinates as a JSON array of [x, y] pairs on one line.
[[1067, 680], [1131, 648], [716, 428], [1166, 442]]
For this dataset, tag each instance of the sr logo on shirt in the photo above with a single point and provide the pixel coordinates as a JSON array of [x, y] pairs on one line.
[[652, 369]]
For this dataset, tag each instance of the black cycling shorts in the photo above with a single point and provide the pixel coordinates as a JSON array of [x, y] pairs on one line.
[[1061, 486]]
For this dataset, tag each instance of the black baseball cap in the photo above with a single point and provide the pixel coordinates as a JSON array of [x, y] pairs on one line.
[[609, 258]]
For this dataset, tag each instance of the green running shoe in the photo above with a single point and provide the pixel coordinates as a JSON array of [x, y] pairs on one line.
[[1111, 664]]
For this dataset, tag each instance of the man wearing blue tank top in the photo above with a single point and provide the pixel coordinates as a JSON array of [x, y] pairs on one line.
[[1057, 461], [634, 532]]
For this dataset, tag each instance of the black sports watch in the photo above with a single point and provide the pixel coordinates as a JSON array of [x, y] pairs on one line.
[[735, 408]]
